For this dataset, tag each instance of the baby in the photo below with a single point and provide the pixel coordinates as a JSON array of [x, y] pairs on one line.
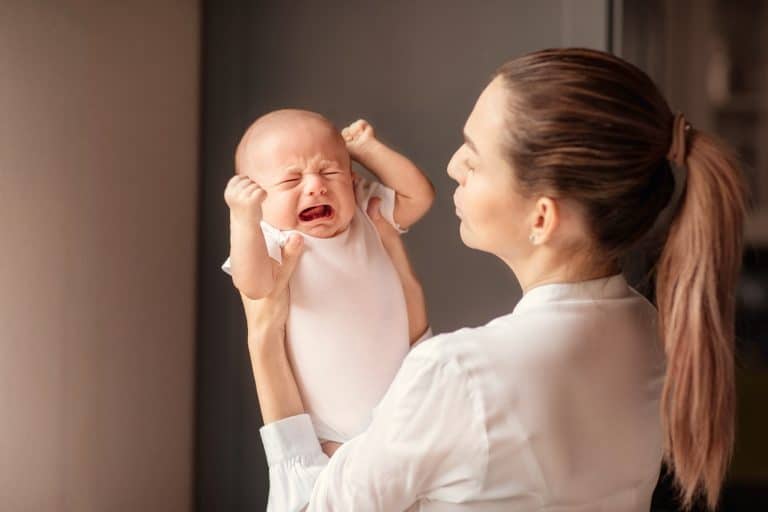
[[348, 326]]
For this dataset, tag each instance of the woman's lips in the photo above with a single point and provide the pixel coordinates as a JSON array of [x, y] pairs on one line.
[[456, 205]]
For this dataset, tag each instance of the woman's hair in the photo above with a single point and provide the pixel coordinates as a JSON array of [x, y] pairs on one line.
[[588, 126]]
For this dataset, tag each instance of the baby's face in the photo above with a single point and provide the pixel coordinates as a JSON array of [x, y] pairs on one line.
[[305, 169]]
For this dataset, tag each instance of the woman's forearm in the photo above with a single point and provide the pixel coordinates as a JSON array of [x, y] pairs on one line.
[[266, 319], [417, 310], [276, 387]]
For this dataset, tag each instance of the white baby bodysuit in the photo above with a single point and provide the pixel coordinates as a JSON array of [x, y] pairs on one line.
[[347, 330]]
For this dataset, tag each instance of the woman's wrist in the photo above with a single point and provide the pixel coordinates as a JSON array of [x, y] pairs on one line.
[[275, 384], [266, 342], [411, 283]]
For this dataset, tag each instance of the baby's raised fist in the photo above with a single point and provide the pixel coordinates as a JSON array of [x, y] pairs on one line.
[[244, 197], [358, 137]]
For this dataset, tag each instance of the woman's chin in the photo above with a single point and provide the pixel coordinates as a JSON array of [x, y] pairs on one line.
[[465, 235], [471, 240]]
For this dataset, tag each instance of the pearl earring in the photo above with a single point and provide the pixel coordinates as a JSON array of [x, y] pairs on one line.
[[532, 238]]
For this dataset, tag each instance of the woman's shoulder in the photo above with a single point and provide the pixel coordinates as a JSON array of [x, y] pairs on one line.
[[444, 346], [534, 341], [450, 344], [465, 348]]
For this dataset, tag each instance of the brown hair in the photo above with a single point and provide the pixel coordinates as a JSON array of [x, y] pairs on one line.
[[591, 127]]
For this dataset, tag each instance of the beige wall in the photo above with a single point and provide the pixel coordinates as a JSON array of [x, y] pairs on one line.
[[98, 191]]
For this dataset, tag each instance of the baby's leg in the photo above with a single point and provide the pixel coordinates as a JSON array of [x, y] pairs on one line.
[[329, 447]]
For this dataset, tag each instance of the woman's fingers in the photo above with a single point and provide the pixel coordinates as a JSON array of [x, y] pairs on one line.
[[291, 253], [373, 208], [390, 238], [268, 315], [414, 296], [384, 228]]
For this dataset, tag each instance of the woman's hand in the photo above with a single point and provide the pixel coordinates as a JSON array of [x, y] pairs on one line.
[[265, 318], [275, 384], [414, 294]]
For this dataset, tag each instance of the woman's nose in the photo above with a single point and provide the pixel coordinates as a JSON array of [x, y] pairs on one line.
[[452, 168]]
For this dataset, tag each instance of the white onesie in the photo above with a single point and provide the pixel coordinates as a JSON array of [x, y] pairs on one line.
[[347, 330]]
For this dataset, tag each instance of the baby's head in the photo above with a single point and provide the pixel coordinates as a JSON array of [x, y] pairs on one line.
[[300, 159]]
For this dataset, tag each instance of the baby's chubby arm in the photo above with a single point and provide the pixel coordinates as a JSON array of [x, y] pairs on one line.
[[414, 192], [252, 268]]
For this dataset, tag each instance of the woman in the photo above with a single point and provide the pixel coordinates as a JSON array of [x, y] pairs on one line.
[[571, 401]]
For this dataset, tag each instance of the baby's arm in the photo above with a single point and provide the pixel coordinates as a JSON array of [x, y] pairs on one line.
[[251, 265], [414, 193]]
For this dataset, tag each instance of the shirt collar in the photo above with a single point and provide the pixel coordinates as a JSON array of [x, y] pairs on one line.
[[611, 287]]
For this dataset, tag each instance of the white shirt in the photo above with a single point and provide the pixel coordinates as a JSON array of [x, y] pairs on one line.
[[347, 331], [554, 407]]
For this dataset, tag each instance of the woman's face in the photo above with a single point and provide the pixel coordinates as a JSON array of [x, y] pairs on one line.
[[495, 217]]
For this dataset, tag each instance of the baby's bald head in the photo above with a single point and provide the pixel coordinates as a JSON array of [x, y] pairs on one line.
[[282, 135]]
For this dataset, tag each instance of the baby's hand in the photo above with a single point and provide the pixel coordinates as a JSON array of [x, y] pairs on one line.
[[358, 136], [244, 197]]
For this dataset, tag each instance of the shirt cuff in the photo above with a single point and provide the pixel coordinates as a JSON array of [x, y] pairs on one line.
[[289, 438]]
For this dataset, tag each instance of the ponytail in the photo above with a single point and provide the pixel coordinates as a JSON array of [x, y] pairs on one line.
[[695, 284]]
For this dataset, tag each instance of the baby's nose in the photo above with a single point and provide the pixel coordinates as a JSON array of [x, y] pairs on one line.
[[315, 184]]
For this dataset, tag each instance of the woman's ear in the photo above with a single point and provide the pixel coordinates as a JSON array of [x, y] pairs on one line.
[[546, 219]]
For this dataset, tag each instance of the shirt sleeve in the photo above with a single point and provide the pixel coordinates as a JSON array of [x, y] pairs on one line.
[[273, 238], [427, 435], [366, 190]]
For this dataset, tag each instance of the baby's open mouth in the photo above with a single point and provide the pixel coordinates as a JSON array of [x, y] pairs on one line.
[[322, 211]]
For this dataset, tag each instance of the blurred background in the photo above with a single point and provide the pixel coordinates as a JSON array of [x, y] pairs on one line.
[[124, 376]]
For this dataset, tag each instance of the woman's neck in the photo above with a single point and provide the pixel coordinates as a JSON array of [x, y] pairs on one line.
[[546, 267]]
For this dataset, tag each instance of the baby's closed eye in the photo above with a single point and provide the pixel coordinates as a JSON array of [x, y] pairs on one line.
[[290, 179]]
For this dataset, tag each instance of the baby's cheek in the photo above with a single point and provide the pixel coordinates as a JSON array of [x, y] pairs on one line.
[[348, 200], [279, 210]]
